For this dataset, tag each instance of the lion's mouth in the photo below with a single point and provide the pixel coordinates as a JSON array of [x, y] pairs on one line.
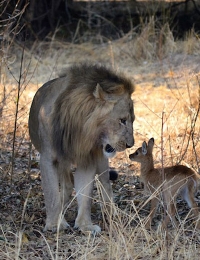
[[109, 149]]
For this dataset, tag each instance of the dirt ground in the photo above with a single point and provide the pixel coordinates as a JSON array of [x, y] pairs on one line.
[[166, 103]]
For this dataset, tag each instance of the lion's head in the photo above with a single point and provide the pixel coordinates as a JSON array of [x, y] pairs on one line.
[[96, 114]]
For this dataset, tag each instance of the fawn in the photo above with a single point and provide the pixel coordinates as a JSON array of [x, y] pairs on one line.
[[177, 179]]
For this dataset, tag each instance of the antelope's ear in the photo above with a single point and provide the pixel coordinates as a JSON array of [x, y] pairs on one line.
[[144, 148], [113, 94], [150, 144], [151, 141]]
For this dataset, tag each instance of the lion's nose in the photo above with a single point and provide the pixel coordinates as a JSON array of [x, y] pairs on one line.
[[130, 144]]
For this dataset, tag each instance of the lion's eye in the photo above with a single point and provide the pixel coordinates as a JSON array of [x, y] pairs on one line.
[[123, 121]]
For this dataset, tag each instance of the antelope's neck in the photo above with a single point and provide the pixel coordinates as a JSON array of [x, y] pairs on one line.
[[147, 166]]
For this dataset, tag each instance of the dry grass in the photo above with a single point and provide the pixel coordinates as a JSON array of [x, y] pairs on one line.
[[167, 102]]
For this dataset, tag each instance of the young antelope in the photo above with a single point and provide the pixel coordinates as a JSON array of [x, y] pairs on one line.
[[171, 181]]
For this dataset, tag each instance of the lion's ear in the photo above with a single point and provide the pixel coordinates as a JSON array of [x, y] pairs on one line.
[[113, 95], [98, 92]]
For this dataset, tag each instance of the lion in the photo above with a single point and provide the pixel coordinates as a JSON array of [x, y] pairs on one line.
[[82, 119]]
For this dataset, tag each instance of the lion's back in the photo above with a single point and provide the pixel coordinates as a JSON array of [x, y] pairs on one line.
[[41, 107]]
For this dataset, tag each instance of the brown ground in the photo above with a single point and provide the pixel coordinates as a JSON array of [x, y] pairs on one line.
[[166, 107]]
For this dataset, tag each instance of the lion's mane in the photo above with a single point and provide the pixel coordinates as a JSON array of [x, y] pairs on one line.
[[77, 118]]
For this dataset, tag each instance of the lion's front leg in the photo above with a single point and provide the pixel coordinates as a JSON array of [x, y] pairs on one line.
[[105, 188], [66, 182], [84, 180]]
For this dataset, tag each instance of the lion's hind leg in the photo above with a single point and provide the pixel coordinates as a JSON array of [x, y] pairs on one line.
[[50, 184]]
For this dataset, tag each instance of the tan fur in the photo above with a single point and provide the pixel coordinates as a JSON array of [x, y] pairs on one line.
[[176, 180], [82, 118]]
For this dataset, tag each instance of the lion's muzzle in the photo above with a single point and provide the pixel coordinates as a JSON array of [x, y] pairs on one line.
[[128, 146]]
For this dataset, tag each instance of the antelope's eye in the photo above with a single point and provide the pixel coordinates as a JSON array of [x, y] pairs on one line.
[[123, 121], [136, 153]]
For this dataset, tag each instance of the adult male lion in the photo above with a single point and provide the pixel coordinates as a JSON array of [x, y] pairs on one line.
[[82, 118]]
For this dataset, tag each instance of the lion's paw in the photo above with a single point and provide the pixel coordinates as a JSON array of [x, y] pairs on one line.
[[94, 229], [55, 227]]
